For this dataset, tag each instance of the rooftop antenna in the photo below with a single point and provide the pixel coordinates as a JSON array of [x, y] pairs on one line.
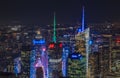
[[83, 22], [54, 29]]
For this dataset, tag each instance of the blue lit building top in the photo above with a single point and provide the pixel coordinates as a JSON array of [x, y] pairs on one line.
[[38, 42]]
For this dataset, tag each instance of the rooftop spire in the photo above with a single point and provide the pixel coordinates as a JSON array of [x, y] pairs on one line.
[[54, 29], [83, 25]]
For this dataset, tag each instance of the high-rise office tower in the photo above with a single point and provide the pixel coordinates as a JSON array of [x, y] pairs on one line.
[[75, 70], [55, 55], [39, 58], [82, 46]]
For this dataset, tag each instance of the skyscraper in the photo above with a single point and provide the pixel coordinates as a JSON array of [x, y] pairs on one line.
[[75, 70], [82, 46], [55, 55], [39, 58]]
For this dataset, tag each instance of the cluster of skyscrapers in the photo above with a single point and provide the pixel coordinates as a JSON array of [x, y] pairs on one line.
[[79, 51]]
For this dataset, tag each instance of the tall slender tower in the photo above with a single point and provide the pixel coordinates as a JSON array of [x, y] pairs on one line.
[[83, 22], [54, 30], [55, 55], [82, 27]]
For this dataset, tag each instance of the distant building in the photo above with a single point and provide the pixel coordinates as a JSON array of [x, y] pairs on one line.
[[115, 54], [55, 60], [76, 68], [25, 62], [103, 38]]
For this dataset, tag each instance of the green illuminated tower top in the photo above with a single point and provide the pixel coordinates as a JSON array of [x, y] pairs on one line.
[[54, 30]]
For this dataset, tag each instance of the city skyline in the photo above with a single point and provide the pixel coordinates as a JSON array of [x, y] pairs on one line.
[[67, 12]]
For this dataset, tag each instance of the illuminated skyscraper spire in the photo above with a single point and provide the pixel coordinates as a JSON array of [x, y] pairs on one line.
[[83, 25], [82, 28], [54, 30]]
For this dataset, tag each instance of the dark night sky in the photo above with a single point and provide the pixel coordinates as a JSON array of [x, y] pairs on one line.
[[67, 11]]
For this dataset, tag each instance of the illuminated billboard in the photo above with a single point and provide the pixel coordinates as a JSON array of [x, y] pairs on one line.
[[41, 41], [75, 56]]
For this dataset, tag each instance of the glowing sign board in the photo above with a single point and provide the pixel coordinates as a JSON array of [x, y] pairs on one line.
[[42, 41], [55, 45], [51, 45], [76, 56]]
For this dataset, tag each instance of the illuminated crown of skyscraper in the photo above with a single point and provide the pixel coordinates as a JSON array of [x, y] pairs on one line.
[[54, 29]]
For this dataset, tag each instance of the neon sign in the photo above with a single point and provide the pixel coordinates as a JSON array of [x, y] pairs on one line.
[[76, 56], [42, 41], [52, 45]]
